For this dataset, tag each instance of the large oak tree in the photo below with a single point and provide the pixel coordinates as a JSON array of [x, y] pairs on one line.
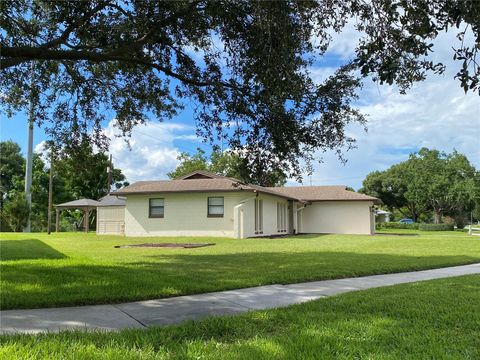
[[244, 64]]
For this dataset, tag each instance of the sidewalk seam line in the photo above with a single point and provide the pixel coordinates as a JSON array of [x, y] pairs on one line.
[[232, 302], [130, 316]]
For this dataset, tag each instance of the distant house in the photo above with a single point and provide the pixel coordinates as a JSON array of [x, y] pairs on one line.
[[382, 216], [205, 204]]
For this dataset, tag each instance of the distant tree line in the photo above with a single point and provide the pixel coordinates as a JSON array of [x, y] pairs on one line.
[[430, 186], [79, 172]]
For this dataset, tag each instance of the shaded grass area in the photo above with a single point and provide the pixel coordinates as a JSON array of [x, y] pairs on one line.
[[436, 319], [92, 271], [27, 249]]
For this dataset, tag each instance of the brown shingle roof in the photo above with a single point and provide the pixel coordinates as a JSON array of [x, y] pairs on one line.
[[193, 185], [110, 200], [80, 204], [221, 184], [323, 193]]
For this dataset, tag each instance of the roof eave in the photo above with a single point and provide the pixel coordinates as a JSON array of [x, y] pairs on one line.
[[375, 201], [149, 192]]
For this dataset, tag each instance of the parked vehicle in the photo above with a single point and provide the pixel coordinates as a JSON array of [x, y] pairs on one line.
[[406, 221]]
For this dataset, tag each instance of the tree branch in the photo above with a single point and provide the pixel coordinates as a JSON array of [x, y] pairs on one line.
[[17, 55], [74, 25]]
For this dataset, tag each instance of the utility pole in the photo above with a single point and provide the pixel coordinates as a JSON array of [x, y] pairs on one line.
[[28, 170], [109, 173], [50, 191]]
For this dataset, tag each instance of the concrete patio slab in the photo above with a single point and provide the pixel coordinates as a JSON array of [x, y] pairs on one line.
[[176, 310]]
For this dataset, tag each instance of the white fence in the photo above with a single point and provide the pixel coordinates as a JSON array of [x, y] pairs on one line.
[[473, 230]]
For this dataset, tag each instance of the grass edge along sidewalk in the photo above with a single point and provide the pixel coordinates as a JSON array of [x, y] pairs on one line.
[[429, 319], [70, 269]]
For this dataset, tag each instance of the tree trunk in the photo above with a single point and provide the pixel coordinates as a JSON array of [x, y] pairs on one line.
[[437, 217]]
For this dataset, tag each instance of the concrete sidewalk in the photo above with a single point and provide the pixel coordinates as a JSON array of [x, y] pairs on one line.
[[141, 314]]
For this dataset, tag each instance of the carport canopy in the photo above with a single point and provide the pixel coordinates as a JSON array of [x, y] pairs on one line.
[[86, 205]]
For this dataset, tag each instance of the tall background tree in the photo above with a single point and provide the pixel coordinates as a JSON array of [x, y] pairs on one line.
[[78, 172], [11, 166], [85, 171], [428, 186], [227, 163], [245, 64]]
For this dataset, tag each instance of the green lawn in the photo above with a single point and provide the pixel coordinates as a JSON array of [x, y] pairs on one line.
[[38, 270], [437, 319]]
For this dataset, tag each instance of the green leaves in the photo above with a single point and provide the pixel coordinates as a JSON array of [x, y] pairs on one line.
[[429, 181], [243, 64], [227, 163], [15, 212], [78, 173]]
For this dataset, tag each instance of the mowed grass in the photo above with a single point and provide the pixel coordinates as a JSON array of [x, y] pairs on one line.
[[38, 270], [438, 319]]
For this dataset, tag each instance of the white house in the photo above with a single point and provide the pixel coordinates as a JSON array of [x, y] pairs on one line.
[[205, 204]]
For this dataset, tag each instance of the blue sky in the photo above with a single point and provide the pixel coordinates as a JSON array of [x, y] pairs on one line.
[[435, 113]]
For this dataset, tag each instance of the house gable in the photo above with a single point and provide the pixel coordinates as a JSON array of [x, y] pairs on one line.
[[198, 174]]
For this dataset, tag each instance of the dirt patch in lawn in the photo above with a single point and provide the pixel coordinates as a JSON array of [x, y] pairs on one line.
[[166, 245]]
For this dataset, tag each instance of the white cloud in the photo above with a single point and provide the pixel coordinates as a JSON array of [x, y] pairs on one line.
[[40, 149], [343, 43], [321, 73], [152, 153]]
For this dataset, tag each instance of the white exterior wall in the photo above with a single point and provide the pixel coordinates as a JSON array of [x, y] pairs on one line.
[[337, 217], [245, 213], [186, 215], [110, 220]]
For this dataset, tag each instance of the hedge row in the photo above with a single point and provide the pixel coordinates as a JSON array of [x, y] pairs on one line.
[[415, 226], [435, 227], [396, 225]]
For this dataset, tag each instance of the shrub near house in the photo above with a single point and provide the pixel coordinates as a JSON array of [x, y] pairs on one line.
[[397, 225], [435, 227], [416, 226]]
